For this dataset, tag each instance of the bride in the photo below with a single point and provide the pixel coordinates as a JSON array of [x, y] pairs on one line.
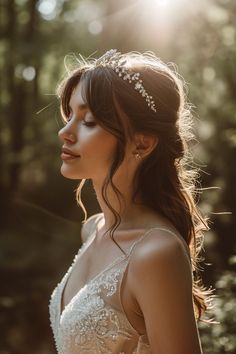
[[132, 286]]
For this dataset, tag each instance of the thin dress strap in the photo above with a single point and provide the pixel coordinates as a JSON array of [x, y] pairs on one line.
[[129, 256], [162, 229]]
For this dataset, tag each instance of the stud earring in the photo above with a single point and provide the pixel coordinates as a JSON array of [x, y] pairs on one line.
[[137, 156]]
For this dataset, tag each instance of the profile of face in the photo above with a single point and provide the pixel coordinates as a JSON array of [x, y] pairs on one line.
[[88, 149]]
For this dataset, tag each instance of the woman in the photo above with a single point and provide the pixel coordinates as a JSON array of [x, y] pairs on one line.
[[131, 287]]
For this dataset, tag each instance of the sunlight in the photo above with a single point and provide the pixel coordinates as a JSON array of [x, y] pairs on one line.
[[159, 10], [160, 2], [177, 8], [157, 4], [160, 18]]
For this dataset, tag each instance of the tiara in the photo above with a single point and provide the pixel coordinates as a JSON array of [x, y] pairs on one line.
[[113, 59]]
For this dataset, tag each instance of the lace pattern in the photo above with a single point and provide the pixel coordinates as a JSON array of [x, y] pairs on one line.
[[88, 324]]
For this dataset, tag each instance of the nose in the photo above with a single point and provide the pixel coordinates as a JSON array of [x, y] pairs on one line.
[[66, 135]]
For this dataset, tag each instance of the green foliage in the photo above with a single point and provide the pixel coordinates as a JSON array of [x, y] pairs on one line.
[[224, 312]]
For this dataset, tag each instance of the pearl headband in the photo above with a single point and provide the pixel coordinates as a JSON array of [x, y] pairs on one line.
[[113, 59]]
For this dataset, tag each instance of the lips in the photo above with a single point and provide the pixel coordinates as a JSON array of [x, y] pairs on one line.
[[68, 154]]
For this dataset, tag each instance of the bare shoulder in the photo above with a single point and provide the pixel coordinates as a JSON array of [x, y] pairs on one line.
[[160, 258], [160, 246], [89, 226], [160, 277]]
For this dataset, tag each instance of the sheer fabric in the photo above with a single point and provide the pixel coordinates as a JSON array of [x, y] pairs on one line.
[[94, 321]]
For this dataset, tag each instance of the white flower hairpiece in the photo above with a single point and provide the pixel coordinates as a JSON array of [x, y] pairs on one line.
[[113, 59]]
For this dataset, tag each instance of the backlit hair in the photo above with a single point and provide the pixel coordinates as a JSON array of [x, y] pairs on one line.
[[167, 180]]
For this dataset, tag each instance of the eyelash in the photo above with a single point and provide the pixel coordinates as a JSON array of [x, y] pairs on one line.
[[87, 124]]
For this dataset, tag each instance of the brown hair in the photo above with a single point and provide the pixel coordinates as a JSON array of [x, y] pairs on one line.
[[167, 179]]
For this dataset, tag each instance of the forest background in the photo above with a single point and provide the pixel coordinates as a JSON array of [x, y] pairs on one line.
[[40, 221]]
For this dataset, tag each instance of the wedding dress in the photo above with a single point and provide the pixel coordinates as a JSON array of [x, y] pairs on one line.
[[94, 321]]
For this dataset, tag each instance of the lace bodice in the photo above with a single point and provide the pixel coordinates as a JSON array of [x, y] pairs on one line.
[[94, 321]]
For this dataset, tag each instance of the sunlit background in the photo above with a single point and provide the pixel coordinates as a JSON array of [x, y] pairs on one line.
[[40, 227]]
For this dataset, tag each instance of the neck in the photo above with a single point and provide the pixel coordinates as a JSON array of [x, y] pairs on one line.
[[132, 214]]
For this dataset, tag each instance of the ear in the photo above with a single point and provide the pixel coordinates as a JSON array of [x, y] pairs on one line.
[[144, 144]]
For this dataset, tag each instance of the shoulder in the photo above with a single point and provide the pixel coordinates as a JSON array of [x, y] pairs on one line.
[[159, 256], [160, 277], [89, 226], [160, 244]]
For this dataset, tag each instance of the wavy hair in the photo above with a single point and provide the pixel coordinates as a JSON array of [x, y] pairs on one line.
[[168, 179]]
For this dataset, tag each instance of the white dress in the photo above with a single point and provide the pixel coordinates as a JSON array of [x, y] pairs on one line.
[[94, 321]]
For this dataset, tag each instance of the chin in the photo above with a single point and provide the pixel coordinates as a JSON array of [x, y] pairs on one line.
[[68, 173]]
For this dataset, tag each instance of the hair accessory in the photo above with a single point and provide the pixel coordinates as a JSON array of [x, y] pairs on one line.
[[112, 58]]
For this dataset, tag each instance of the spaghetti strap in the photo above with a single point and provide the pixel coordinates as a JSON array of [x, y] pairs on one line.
[[162, 229]]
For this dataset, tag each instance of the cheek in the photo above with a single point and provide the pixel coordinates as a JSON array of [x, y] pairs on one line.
[[97, 142]]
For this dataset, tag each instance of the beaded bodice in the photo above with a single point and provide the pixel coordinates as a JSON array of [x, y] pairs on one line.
[[90, 324], [94, 321]]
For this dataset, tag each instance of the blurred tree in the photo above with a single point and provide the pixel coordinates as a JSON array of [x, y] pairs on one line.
[[30, 68]]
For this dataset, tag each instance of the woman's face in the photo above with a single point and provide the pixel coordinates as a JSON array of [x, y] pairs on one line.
[[93, 146]]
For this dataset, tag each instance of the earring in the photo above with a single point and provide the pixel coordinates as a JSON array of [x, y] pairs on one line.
[[137, 156]]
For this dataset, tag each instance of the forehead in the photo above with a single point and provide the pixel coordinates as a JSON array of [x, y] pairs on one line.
[[76, 95]]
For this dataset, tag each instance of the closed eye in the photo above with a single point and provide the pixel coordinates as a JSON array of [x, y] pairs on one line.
[[67, 118], [89, 123]]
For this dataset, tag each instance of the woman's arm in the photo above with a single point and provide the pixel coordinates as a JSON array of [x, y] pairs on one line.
[[161, 281]]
